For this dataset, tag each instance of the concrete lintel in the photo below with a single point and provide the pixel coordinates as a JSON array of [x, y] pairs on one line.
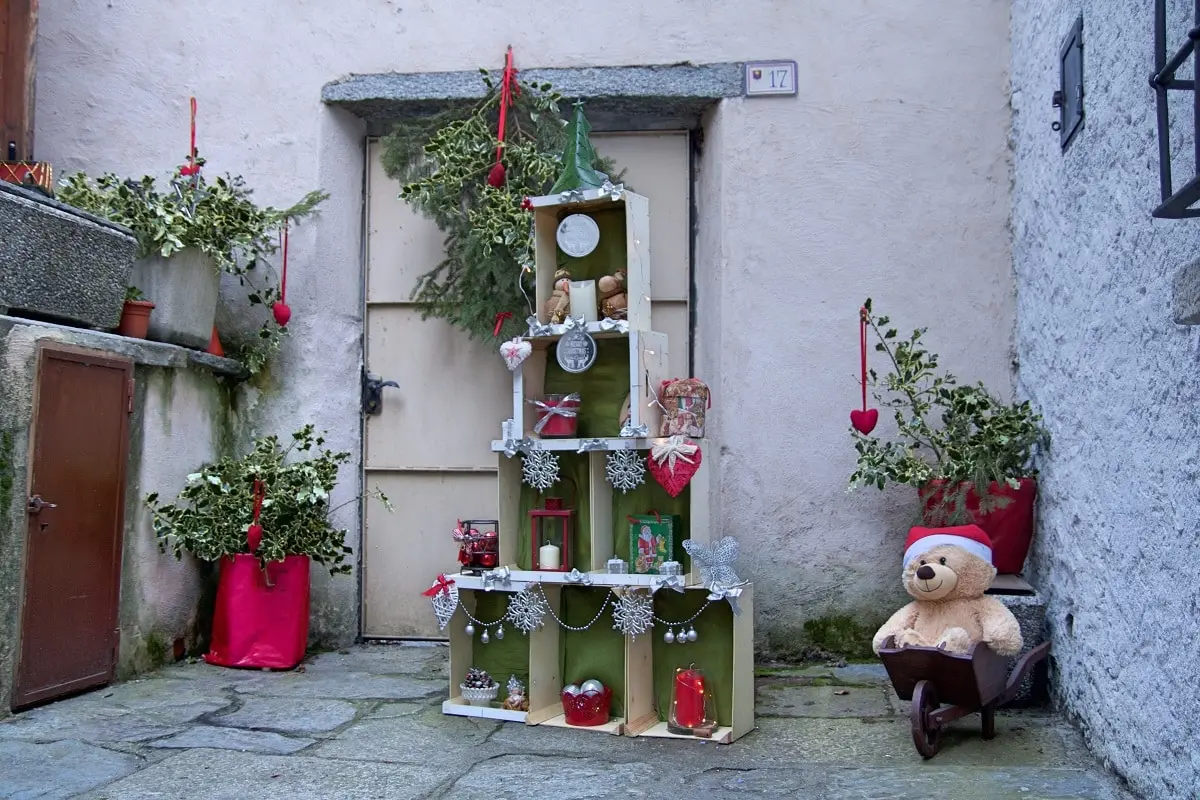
[[1185, 294], [141, 351], [635, 97]]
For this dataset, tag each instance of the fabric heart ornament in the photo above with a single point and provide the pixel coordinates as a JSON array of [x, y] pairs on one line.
[[864, 421], [674, 462], [514, 351]]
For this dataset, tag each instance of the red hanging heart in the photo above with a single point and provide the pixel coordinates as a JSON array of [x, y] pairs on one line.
[[864, 421], [674, 480], [254, 536]]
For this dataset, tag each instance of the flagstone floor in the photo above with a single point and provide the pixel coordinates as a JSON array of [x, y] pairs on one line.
[[366, 723]]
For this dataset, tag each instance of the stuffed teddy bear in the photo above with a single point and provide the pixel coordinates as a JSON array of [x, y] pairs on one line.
[[613, 300], [947, 571], [559, 304]]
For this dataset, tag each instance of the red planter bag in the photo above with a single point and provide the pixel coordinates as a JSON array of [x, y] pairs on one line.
[[261, 618], [1009, 524]]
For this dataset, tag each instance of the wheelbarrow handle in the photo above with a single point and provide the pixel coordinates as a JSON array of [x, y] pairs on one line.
[[1024, 664]]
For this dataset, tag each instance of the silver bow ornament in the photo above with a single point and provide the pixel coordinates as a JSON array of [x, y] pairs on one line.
[[730, 593], [498, 576], [559, 410], [537, 328], [619, 325], [571, 195], [589, 445], [667, 582], [575, 576], [673, 450], [613, 191], [631, 431]]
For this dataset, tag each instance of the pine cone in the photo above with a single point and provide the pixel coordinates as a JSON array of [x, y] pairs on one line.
[[478, 679]]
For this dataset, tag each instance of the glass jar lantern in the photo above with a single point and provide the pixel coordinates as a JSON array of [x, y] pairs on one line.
[[479, 544], [693, 707], [550, 536]]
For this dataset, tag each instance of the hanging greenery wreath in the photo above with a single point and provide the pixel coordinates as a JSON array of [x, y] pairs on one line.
[[444, 163]]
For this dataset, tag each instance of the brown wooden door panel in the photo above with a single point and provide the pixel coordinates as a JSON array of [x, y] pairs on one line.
[[73, 544]]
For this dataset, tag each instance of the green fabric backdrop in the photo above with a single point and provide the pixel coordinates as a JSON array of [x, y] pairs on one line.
[[712, 651], [609, 255], [573, 489], [599, 651], [500, 657]]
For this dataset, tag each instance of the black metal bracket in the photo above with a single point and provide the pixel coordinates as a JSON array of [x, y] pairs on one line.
[[1175, 204], [372, 393]]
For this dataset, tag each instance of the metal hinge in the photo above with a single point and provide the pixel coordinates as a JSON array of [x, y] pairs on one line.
[[129, 396]]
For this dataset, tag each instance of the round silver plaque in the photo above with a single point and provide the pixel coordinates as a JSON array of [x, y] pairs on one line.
[[576, 351], [578, 235]]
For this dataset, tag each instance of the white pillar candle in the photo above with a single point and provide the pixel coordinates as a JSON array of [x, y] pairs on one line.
[[548, 557], [583, 301]]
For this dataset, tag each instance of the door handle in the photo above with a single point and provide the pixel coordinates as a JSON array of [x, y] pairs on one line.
[[36, 504], [372, 399]]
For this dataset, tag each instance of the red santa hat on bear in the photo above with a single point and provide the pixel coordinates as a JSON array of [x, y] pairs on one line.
[[971, 538]]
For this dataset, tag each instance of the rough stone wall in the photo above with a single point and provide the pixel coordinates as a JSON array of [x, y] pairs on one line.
[[183, 417], [1117, 550], [887, 176]]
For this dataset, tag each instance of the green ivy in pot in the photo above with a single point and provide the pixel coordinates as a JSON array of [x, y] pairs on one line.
[[213, 512], [217, 217], [960, 434]]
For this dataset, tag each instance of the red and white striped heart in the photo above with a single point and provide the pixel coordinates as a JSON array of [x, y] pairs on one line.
[[514, 351]]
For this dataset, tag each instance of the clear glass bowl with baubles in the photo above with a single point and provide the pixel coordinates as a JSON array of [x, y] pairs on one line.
[[478, 688]]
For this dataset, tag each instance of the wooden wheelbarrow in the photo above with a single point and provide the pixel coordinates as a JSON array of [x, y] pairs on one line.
[[978, 680]]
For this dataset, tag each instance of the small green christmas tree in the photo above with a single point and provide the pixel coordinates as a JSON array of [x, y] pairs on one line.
[[579, 157]]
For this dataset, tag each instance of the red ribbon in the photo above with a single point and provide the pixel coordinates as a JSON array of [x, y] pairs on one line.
[[192, 167], [442, 584], [283, 277], [862, 338], [259, 493], [500, 320], [506, 95]]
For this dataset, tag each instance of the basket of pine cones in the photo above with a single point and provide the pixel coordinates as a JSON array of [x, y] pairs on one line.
[[478, 688]]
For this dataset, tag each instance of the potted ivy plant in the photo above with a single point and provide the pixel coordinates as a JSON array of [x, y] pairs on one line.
[[968, 454], [264, 517], [135, 315], [187, 235]]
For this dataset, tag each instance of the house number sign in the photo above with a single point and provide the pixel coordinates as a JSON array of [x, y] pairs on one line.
[[770, 78], [576, 351]]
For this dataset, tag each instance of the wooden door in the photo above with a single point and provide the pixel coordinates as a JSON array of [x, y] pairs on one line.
[[429, 448], [75, 518]]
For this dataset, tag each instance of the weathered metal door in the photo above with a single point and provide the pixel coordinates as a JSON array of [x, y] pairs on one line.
[[429, 448], [75, 517]]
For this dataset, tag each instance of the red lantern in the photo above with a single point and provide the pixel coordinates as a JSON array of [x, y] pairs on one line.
[[478, 550], [550, 536], [693, 709]]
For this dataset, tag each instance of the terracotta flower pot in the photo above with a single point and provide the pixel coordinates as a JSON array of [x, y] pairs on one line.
[[1007, 517], [135, 319]]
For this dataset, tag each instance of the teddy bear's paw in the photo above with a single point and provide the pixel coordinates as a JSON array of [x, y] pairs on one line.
[[909, 638], [955, 640]]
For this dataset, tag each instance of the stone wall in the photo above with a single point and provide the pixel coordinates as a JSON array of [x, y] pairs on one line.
[[183, 417], [1117, 550], [887, 177]]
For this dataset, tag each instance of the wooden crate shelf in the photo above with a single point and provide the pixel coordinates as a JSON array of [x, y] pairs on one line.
[[641, 694], [624, 244], [641, 358]]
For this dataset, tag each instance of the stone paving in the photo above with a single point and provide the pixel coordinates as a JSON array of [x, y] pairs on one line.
[[366, 723]]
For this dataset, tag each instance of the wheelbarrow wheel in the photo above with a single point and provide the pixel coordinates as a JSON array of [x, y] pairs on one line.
[[926, 733]]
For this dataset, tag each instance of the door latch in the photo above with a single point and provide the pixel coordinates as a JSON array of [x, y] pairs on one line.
[[36, 504], [372, 393]]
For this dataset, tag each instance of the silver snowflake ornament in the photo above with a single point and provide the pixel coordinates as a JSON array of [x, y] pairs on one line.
[[540, 469], [633, 613], [527, 609], [625, 469], [716, 562]]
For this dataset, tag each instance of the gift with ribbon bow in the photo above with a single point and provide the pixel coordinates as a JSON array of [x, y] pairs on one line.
[[557, 415], [674, 462]]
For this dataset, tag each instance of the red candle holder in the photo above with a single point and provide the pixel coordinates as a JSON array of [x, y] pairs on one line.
[[587, 709], [693, 708], [552, 424]]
